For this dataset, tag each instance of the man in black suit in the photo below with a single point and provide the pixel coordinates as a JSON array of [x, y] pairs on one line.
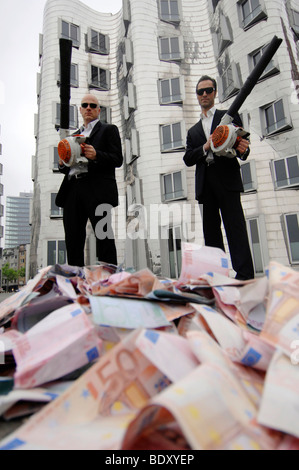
[[89, 190], [218, 182]]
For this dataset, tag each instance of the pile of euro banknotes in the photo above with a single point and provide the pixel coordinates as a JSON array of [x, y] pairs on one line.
[[102, 358]]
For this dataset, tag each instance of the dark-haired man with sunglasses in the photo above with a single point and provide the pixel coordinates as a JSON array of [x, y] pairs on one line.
[[89, 191], [218, 182]]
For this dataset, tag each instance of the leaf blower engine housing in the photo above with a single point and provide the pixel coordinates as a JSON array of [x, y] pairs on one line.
[[225, 140], [71, 150]]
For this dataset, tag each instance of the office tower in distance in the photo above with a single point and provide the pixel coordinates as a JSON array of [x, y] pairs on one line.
[[17, 216]]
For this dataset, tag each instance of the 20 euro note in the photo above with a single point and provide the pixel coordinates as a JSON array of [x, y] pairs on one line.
[[127, 313]]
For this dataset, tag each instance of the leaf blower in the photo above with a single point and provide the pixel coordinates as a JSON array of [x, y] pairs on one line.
[[226, 136], [71, 150]]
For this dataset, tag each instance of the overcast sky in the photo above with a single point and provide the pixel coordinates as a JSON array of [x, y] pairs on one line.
[[21, 22]]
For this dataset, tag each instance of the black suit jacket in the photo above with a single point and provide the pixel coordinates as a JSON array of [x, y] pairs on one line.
[[226, 169], [105, 139]]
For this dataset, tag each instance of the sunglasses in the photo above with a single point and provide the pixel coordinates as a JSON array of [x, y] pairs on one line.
[[208, 91], [91, 105]]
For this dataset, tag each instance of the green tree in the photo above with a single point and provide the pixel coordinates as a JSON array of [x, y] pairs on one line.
[[9, 273], [21, 272]]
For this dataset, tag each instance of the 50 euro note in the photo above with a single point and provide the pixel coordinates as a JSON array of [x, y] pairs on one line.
[[138, 284], [61, 343], [209, 410], [281, 328], [199, 260], [208, 351], [280, 405], [210, 406], [244, 304], [96, 410], [238, 344]]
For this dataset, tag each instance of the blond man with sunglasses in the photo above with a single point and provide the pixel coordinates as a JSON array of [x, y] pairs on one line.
[[218, 182], [89, 191]]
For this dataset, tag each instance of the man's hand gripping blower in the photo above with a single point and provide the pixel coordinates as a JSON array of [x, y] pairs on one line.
[[71, 150], [226, 137]]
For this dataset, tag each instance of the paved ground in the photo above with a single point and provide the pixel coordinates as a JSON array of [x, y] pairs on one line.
[[4, 295]]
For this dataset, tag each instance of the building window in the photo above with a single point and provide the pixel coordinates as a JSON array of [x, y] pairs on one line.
[[169, 11], [295, 22], [56, 252], [132, 146], [257, 239], [134, 193], [129, 102], [275, 117], [128, 56], [55, 159], [291, 230], [172, 137], [271, 69], [214, 4], [173, 186], [126, 13], [97, 42], [100, 78], [70, 31], [56, 212], [171, 90], [285, 172], [230, 81], [73, 124], [248, 173], [223, 36], [251, 12], [105, 114], [175, 251], [74, 75], [171, 48]]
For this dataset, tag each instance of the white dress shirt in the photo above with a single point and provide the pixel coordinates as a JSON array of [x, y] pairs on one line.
[[207, 121], [82, 167]]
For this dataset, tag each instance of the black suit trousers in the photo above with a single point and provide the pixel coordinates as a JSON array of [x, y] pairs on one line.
[[218, 202], [81, 205]]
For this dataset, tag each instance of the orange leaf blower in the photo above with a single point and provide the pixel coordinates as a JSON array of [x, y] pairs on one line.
[[71, 151], [226, 135]]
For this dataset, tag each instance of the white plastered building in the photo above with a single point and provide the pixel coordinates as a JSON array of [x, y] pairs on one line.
[[143, 64]]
